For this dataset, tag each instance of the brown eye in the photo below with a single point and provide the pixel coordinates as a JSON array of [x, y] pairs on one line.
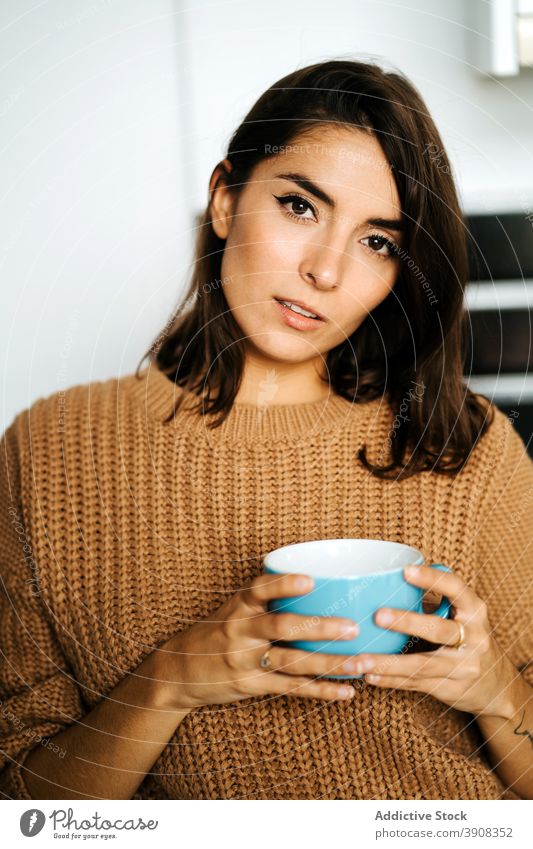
[[296, 201], [381, 246]]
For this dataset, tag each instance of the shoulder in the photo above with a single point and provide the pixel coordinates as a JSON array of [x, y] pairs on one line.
[[500, 460], [501, 440], [71, 411]]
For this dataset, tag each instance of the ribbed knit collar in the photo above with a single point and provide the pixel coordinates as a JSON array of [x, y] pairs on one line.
[[247, 422]]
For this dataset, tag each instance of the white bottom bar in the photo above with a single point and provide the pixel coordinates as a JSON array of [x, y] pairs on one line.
[[264, 824]]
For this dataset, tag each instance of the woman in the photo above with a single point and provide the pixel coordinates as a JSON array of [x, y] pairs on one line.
[[308, 386]]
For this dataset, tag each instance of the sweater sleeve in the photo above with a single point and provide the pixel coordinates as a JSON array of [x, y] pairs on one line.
[[38, 695], [504, 543]]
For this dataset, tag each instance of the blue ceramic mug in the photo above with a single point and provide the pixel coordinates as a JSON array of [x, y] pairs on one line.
[[353, 578]]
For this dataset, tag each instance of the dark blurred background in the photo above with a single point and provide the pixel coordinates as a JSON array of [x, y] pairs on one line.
[[498, 317]]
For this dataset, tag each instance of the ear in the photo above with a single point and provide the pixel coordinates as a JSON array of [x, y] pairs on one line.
[[221, 199]]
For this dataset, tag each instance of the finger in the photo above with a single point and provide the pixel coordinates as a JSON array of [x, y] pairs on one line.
[[431, 686], [266, 587], [294, 626], [448, 584], [300, 662], [424, 665], [277, 683], [428, 626]]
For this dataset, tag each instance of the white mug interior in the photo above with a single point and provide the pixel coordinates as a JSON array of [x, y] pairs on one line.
[[342, 558]]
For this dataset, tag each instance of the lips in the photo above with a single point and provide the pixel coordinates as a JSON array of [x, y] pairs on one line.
[[301, 304]]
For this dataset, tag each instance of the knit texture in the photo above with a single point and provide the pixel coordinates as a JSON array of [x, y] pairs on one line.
[[118, 530]]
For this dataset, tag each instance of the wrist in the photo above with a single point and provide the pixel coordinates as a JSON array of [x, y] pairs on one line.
[[520, 696], [164, 669], [165, 690], [514, 696]]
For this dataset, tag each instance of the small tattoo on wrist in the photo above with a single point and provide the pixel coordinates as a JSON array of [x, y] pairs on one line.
[[524, 733]]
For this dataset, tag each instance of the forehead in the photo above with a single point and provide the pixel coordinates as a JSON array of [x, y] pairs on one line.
[[348, 163]]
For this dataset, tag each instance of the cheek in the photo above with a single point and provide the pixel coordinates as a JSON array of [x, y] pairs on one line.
[[372, 283], [363, 295], [251, 247], [256, 271], [263, 242]]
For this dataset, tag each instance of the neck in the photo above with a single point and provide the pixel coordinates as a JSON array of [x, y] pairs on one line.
[[270, 384]]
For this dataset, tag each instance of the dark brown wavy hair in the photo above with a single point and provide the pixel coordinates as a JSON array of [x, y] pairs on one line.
[[415, 336]]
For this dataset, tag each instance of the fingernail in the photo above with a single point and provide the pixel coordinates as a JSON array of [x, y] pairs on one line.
[[413, 570], [385, 617], [304, 583], [350, 630]]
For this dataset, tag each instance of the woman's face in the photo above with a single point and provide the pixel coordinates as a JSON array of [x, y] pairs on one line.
[[332, 253]]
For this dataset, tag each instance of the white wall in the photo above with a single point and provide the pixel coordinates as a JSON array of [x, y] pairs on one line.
[[94, 204], [114, 113], [237, 51]]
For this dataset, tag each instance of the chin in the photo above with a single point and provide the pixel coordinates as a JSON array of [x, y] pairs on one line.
[[282, 347]]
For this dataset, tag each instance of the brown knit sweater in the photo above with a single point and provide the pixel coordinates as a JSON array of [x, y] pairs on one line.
[[117, 530]]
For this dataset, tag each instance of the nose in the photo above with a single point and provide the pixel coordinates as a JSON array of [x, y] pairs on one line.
[[322, 267], [320, 281]]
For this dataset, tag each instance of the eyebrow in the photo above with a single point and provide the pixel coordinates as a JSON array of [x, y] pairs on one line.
[[308, 186]]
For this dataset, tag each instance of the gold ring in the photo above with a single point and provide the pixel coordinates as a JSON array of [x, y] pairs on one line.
[[460, 644], [264, 660]]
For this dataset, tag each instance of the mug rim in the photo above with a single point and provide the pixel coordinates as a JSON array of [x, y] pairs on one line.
[[419, 559]]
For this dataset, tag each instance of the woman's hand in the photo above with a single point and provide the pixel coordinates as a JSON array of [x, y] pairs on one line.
[[217, 660], [476, 678]]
